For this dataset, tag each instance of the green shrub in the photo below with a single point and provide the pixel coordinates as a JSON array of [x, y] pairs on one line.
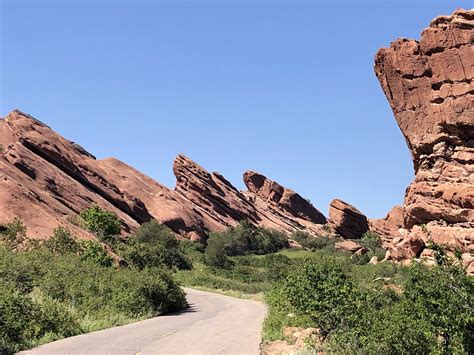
[[215, 252], [245, 239], [371, 241], [17, 315], [92, 251], [312, 242], [62, 242], [48, 295], [276, 266], [104, 224], [320, 290], [14, 234], [360, 309], [24, 319], [194, 251], [154, 245]]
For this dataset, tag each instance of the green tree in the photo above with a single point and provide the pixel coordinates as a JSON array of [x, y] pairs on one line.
[[92, 251], [215, 254], [319, 290], [104, 224], [371, 240], [154, 245]]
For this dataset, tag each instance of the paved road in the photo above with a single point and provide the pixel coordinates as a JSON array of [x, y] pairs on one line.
[[214, 324]]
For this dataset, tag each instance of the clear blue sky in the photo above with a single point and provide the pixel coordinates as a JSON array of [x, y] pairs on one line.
[[285, 88]]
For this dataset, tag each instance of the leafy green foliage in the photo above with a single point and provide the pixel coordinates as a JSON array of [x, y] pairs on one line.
[[104, 224], [320, 291], [312, 242], [154, 245], [14, 234], [62, 242], [92, 251], [243, 239], [215, 254], [359, 309], [65, 287], [371, 240], [24, 318]]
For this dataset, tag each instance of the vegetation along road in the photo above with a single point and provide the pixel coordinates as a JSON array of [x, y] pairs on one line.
[[213, 324]]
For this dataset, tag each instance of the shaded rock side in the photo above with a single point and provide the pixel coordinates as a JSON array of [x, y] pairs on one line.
[[347, 220], [227, 205], [428, 84], [387, 228], [282, 198]]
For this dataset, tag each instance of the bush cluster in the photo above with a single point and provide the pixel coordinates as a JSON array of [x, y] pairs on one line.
[[104, 224], [243, 239], [153, 245], [432, 311], [64, 286], [312, 242]]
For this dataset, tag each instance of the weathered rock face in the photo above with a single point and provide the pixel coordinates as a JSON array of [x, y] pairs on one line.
[[46, 180], [347, 220], [388, 227], [281, 197], [227, 205], [429, 87]]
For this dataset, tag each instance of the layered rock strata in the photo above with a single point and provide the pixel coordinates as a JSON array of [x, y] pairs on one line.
[[46, 180], [428, 84]]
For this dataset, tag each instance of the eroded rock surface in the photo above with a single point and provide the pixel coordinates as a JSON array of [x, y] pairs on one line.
[[347, 220], [46, 180], [387, 228], [428, 84]]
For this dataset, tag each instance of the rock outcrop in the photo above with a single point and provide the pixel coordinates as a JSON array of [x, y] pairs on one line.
[[46, 180], [387, 228], [282, 198], [347, 220], [428, 84]]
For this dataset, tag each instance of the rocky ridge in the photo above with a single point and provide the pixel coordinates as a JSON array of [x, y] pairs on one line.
[[46, 180]]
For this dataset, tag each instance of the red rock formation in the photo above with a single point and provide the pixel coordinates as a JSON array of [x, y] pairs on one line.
[[387, 228], [221, 200], [282, 198], [428, 84], [46, 180], [347, 220]]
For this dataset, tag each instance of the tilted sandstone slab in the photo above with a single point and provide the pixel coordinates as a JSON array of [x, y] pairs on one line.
[[282, 198], [227, 205], [429, 86], [347, 220], [46, 180]]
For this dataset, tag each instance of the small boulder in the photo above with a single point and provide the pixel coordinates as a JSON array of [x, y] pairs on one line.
[[348, 245], [407, 249], [374, 260], [361, 251]]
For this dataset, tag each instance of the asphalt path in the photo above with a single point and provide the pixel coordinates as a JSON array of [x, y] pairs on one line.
[[213, 324]]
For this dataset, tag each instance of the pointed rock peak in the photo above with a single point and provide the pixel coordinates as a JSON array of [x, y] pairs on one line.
[[272, 192], [186, 169]]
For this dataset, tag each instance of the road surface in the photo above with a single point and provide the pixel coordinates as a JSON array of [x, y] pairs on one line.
[[214, 324]]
